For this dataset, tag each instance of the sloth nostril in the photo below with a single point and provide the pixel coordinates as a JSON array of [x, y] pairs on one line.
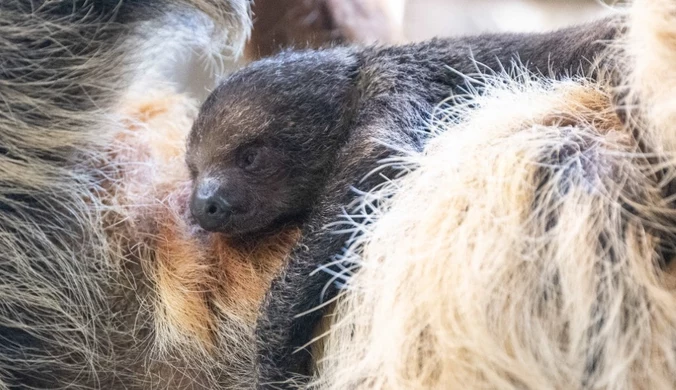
[[213, 209]]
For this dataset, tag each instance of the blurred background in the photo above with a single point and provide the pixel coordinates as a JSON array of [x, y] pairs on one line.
[[427, 18], [313, 23]]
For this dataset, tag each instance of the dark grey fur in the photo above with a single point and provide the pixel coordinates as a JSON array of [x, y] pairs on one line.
[[316, 115]]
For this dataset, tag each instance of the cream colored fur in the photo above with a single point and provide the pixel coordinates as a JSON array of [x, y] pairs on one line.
[[651, 53], [523, 252]]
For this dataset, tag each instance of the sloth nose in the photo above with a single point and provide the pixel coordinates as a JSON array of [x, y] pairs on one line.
[[209, 206]]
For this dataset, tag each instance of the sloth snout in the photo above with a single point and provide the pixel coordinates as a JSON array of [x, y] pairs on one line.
[[209, 205]]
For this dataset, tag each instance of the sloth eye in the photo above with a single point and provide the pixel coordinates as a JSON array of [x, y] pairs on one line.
[[250, 158]]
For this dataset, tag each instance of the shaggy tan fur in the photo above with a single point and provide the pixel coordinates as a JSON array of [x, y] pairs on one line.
[[526, 250]]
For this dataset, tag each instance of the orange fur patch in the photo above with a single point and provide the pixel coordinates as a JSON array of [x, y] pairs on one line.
[[200, 275], [244, 273]]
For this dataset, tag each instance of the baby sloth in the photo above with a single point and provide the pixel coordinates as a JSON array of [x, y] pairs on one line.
[[265, 139]]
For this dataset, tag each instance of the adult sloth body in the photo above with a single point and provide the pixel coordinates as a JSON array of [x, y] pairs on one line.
[[104, 283], [284, 141]]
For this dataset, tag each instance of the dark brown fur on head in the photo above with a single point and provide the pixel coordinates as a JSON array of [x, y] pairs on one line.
[[261, 148]]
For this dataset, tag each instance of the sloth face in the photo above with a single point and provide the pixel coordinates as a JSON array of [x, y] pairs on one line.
[[264, 142], [247, 190]]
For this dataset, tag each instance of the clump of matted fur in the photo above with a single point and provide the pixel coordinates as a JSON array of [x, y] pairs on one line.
[[531, 248]]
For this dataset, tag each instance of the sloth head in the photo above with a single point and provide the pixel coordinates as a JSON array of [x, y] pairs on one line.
[[263, 144]]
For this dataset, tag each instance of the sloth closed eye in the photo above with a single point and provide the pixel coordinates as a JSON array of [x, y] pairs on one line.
[[251, 159]]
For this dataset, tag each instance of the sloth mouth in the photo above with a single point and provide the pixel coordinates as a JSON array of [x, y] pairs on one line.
[[251, 226], [243, 223]]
